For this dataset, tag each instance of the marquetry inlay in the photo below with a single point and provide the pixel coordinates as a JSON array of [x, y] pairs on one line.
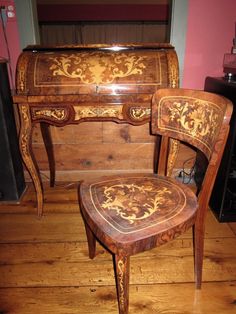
[[82, 112], [125, 204], [97, 68]]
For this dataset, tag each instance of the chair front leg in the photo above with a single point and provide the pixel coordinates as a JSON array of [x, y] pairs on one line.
[[121, 265]]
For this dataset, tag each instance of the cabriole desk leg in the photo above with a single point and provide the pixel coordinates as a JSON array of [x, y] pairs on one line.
[[25, 143], [45, 130]]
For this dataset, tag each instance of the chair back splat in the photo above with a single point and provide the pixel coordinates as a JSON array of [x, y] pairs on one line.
[[133, 213]]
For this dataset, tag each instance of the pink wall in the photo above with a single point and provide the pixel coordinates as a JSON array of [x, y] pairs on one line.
[[210, 31], [12, 38]]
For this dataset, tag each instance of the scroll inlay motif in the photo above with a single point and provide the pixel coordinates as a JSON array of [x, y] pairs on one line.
[[97, 68], [174, 149], [121, 197], [139, 113], [21, 79], [193, 117], [121, 270], [57, 114], [98, 112], [174, 71], [24, 110]]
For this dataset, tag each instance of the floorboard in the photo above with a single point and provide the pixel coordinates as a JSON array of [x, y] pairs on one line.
[[214, 298], [44, 265]]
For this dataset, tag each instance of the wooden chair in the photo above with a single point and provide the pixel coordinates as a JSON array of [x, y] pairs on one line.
[[133, 213]]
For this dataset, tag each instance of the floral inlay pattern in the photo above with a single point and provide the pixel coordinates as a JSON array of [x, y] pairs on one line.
[[134, 202], [57, 114], [139, 113], [121, 271], [95, 112], [193, 117], [173, 72], [97, 68]]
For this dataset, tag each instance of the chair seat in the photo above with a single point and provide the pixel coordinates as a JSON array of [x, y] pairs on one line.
[[137, 212]]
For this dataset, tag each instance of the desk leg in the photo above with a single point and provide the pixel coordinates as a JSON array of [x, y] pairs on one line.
[[25, 143], [45, 130], [173, 154], [156, 153]]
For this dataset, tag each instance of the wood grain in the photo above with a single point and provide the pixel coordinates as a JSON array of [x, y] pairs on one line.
[[72, 134], [144, 299], [118, 147], [98, 157], [232, 225], [60, 264], [45, 268]]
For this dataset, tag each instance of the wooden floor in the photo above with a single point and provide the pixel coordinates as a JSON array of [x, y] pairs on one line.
[[44, 266]]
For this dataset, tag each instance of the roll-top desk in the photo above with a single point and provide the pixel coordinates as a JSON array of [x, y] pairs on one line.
[[70, 84]]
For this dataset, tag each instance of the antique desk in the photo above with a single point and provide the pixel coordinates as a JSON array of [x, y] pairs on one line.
[[70, 84]]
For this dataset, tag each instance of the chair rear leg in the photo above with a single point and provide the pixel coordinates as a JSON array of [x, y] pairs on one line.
[[122, 268], [91, 241], [198, 240]]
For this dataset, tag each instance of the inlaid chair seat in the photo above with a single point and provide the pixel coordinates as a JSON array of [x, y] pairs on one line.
[[133, 213], [137, 210]]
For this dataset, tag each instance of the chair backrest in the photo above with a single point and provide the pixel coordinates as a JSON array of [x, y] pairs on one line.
[[198, 118]]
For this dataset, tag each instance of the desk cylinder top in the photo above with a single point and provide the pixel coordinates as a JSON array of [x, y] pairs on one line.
[[96, 69]]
